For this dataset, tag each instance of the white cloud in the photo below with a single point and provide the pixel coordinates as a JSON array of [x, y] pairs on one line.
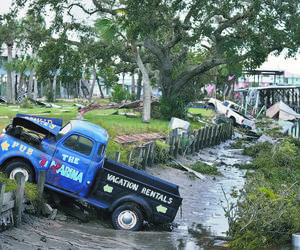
[[5, 4], [290, 65]]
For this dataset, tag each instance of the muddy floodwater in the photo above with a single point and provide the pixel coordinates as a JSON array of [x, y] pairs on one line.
[[200, 217]]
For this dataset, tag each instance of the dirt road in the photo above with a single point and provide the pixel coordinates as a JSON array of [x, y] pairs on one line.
[[202, 215]]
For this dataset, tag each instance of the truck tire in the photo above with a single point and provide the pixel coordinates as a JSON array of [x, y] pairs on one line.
[[127, 217], [211, 106], [14, 167], [233, 120]]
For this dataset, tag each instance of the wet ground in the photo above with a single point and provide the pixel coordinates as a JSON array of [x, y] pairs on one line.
[[201, 216]]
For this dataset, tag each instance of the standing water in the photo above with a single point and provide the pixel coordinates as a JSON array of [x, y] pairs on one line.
[[200, 218], [203, 199]]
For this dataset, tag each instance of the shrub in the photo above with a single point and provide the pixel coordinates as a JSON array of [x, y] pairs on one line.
[[119, 94], [267, 209], [203, 168]]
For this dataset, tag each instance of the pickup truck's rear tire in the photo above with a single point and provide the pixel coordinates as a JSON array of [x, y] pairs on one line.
[[127, 217], [14, 167], [211, 106], [233, 120]]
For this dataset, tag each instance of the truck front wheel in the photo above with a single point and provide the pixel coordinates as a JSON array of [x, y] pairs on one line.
[[127, 217], [14, 167]]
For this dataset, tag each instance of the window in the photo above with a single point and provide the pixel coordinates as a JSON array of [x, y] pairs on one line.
[[225, 103], [79, 144], [101, 150], [64, 131]]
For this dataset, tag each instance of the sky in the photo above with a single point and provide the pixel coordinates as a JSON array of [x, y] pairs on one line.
[[290, 65]]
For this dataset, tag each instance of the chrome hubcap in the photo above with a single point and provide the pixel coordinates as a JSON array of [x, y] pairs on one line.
[[19, 170], [127, 219]]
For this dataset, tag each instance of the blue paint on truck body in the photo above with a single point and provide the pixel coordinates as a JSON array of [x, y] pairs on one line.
[[74, 158]]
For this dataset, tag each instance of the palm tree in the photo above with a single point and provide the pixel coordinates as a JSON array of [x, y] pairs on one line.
[[9, 30], [34, 33]]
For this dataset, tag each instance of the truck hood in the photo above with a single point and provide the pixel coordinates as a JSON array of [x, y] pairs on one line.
[[39, 124]]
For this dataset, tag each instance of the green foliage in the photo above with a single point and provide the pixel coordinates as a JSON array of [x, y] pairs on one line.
[[267, 209], [257, 148], [173, 107], [26, 104], [161, 152], [108, 76], [30, 190], [10, 184], [119, 94], [203, 168]]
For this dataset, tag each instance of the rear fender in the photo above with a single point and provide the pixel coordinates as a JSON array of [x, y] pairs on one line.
[[135, 199]]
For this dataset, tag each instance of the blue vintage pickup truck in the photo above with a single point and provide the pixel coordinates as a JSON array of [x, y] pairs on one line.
[[73, 157]]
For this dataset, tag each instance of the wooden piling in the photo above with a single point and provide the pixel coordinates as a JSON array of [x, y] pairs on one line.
[[117, 156], [2, 189], [40, 189], [19, 198], [129, 158]]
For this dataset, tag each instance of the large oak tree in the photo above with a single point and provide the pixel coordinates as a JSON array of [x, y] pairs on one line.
[[174, 33]]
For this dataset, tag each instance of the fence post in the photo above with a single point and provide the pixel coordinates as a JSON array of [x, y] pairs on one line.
[[177, 141], [201, 140], [151, 153], [140, 156], [146, 155], [19, 198], [209, 132], [171, 142], [40, 189], [212, 135], [193, 146], [129, 157], [2, 189], [197, 140], [219, 134], [224, 133], [117, 156]]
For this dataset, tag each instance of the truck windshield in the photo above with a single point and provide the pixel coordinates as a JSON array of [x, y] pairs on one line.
[[64, 131]]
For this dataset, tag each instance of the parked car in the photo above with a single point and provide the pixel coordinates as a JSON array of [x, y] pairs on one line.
[[232, 111]]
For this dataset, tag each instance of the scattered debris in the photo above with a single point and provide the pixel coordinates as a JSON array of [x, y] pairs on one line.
[[123, 139], [265, 138], [282, 111], [2, 99], [200, 176], [182, 125]]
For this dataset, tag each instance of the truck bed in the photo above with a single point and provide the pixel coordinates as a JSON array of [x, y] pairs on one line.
[[116, 181]]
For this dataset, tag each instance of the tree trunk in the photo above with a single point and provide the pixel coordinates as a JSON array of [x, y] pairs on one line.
[[9, 84], [13, 87], [100, 89], [147, 88], [139, 86], [54, 87], [93, 84], [30, 83], [123, 80], [35, 95], [132, 84]]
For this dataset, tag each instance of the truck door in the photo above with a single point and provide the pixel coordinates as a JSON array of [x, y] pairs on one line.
[[70, 163]]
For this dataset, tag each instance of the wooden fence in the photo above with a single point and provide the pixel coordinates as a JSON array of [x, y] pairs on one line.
[[12, 203], [179, 144]]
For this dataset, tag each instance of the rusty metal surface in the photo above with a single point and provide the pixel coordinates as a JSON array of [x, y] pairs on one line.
[[139, 137]]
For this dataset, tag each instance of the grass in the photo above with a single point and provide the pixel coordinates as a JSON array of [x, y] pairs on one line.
[[115, 124], [122, 124]]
